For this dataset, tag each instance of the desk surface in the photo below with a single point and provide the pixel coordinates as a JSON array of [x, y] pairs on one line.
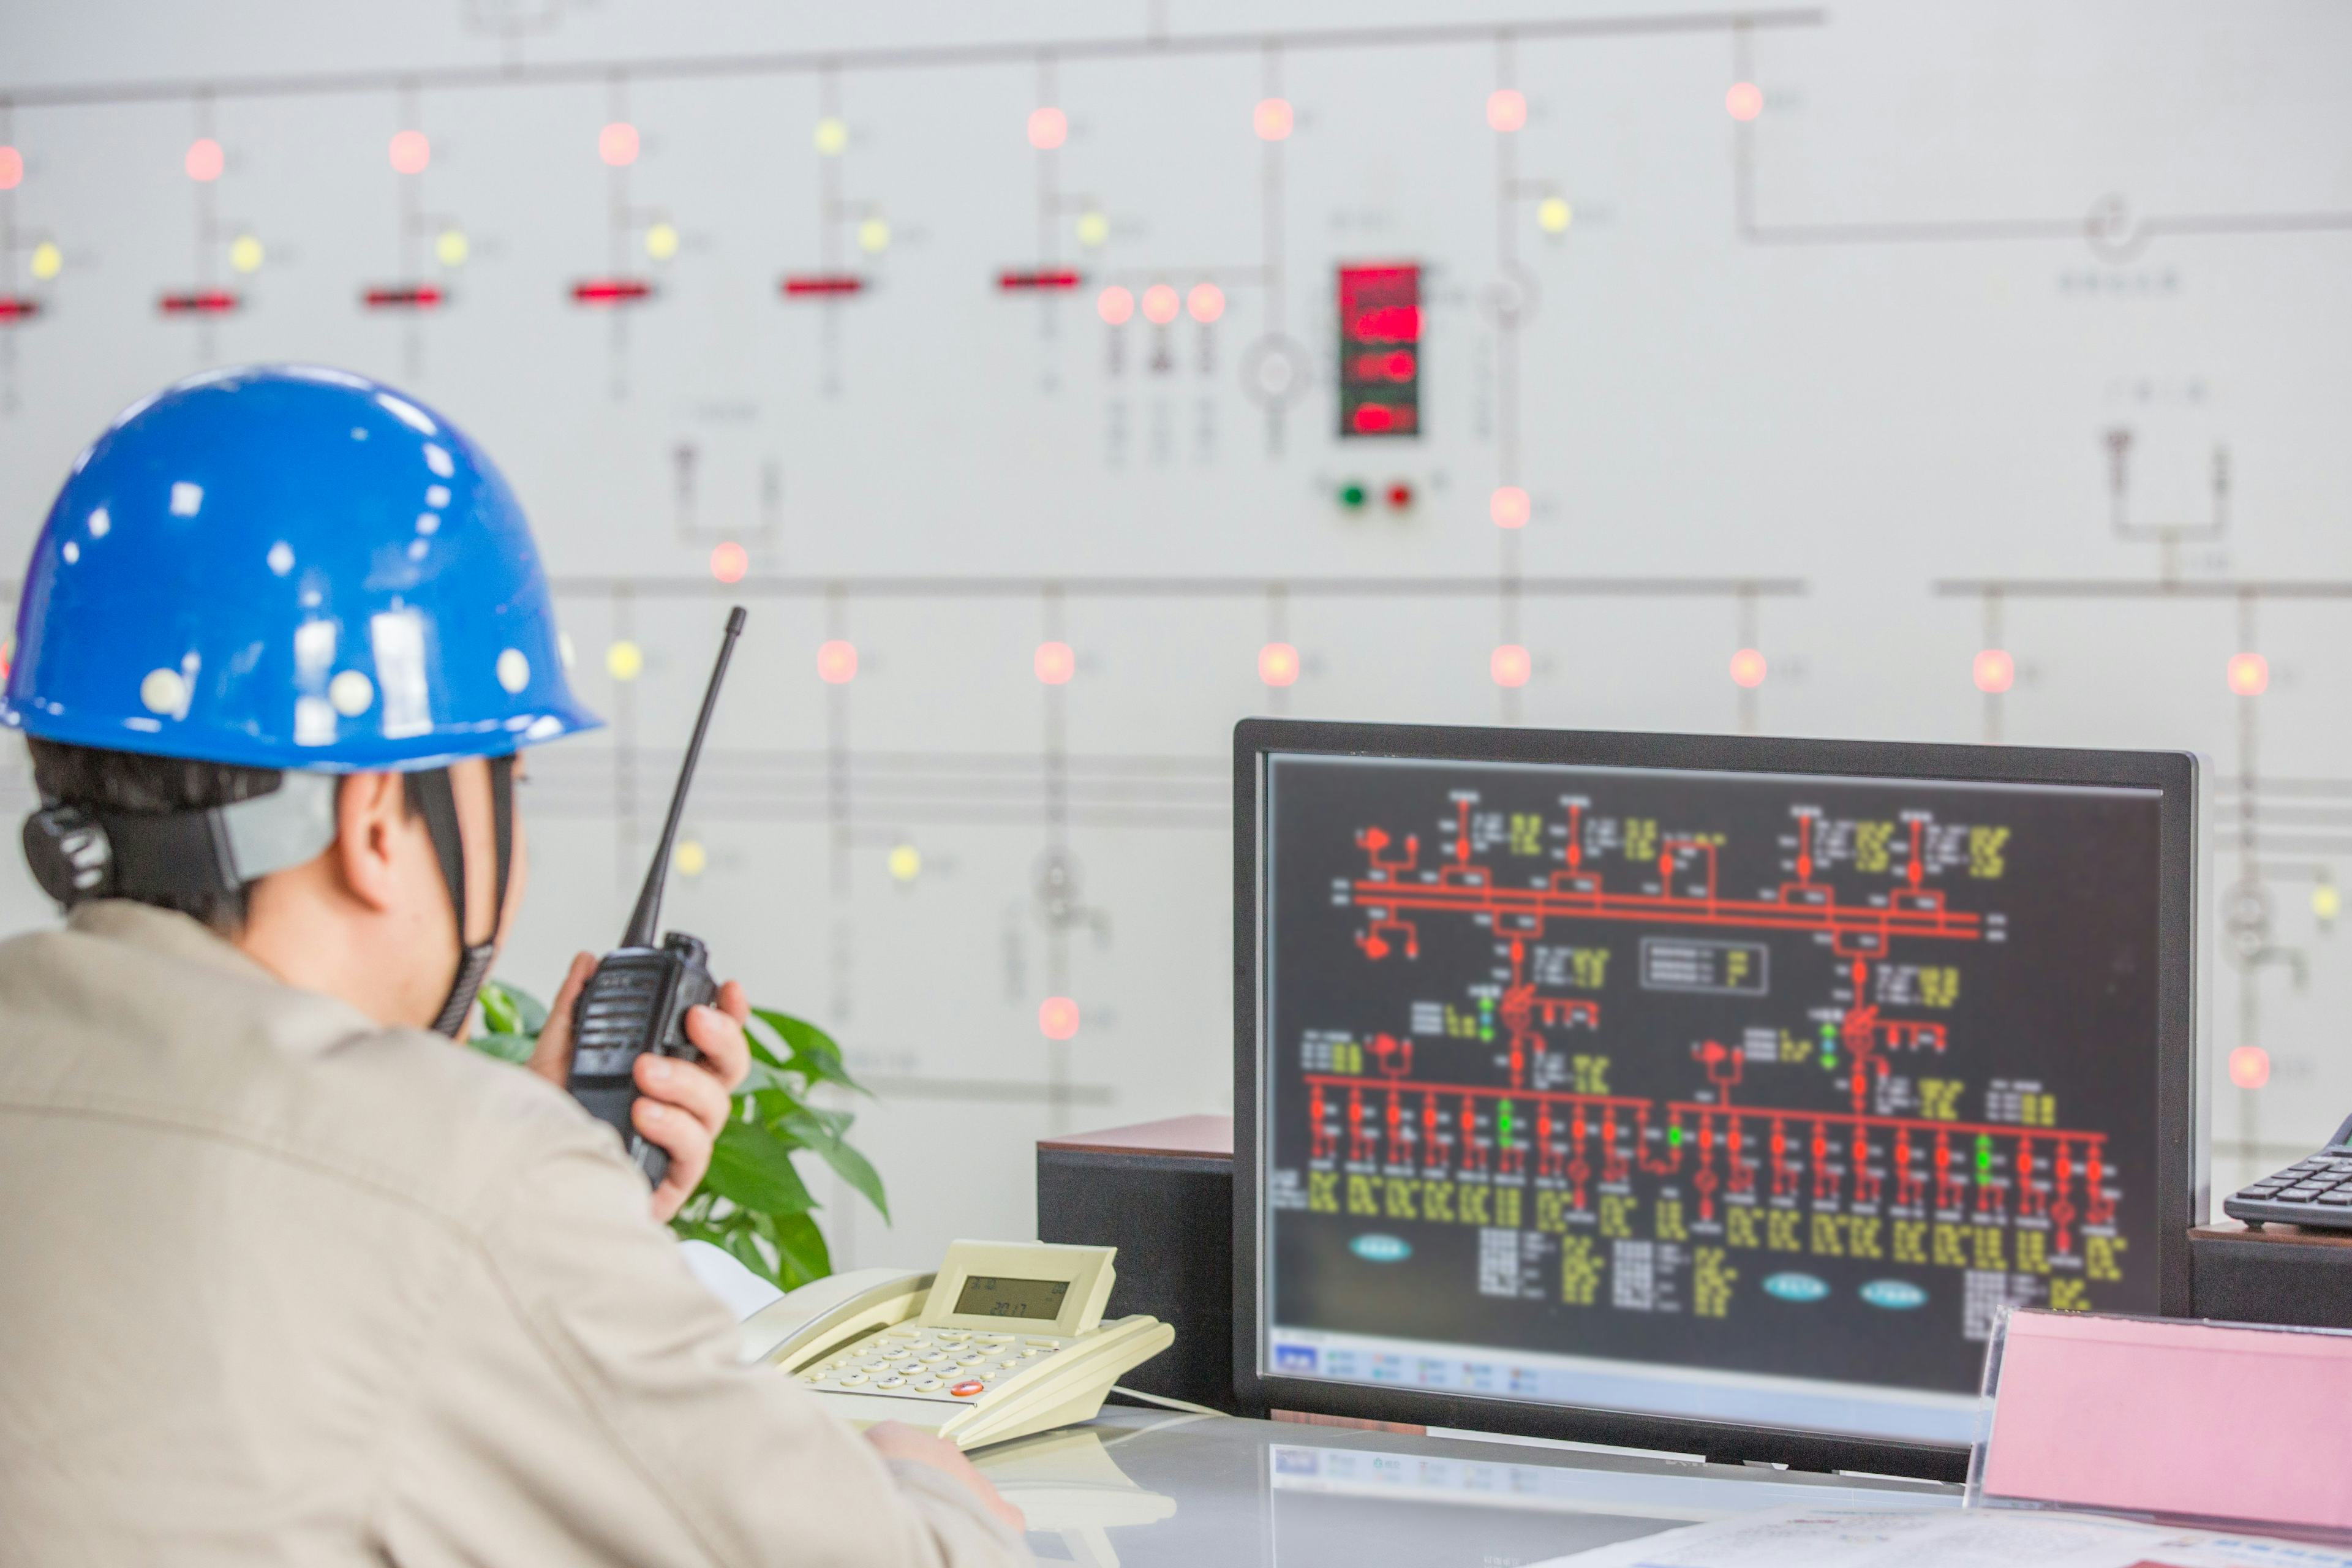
[[1144, 1488]]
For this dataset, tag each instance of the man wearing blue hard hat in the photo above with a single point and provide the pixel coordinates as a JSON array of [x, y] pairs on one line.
[[285, 1275]]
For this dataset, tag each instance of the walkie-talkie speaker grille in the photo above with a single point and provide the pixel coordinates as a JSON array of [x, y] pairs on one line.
[[617, 1021]]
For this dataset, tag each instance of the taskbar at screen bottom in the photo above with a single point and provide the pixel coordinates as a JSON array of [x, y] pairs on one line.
[[1634, 1388]]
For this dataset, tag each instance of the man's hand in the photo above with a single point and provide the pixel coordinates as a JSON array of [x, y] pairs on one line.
[[897, 1440], [682, 1106]]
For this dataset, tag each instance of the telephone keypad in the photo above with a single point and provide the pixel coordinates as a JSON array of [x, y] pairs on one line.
[[912, 1362]]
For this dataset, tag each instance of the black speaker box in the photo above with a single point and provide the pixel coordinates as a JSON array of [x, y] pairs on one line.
[[1162, 1193]]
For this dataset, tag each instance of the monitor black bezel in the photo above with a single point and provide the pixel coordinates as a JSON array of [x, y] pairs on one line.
[[2172, 774]]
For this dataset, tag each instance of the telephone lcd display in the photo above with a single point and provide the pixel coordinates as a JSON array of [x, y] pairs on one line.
[[988, 1296]]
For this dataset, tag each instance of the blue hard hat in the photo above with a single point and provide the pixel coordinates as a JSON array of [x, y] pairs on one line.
[[288, 566]]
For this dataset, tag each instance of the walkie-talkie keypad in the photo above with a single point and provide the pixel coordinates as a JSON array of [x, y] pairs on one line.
[[914, 1361]]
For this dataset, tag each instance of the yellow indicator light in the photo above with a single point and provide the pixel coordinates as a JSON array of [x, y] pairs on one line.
[[874, 235], [625, 660], [2326, 900], [831, 137], [48, 260], [450, 248], [661, 242], [245, 253], [1555, 215], [690, 858], [1093, 229], [906, 863]]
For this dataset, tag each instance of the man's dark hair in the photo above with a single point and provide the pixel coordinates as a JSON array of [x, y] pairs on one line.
[[98, 780]]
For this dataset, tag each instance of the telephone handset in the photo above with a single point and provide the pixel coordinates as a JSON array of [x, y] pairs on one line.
[[1007, 1339]]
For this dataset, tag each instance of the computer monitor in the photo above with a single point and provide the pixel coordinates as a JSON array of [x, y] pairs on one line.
[[1704, 1093]]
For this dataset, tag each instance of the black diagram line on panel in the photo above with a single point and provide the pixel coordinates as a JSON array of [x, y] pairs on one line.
[[2249, 805], [759, 63], [1057, 789], [2113, 231]]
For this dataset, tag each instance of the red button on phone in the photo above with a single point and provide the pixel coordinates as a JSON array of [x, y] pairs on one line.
[[967, 1388]]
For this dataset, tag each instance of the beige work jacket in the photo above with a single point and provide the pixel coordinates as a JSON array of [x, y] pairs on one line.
[[279, 1285]]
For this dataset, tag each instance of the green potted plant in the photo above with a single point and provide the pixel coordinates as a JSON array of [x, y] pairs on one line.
[[752, 1201]]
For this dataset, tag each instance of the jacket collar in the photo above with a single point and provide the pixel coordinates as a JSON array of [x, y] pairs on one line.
[[166, 931]]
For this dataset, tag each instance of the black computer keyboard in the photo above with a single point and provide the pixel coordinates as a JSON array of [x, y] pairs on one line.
[[2316, 1192]]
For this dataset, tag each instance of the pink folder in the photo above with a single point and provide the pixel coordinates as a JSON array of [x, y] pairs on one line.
[[2182, 1419]]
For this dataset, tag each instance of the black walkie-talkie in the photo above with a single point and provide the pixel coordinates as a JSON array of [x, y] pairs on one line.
[[637, 999]]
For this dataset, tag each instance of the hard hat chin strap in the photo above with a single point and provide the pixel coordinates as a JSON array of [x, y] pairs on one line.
[[430, 794]]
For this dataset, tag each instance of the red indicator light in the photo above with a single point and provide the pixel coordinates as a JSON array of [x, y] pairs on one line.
[[1399, 496], [611, 291], [12, 168], [1392, 324], [1510, 507], [618, 144], [1272, 119], [836, 662], [1509, 665], [1206, 302], [1115, 305], [410, 151], [2250, 1067], [18, 308], [1379, 378], [1058, 1018], [1744, 101], [202, 302], [1048, 129], [405, 297], [1054, 663], [1159, 304], [1748, 669], [1995, 671], [1507, 108], [803, 285], [204, 161], [2250, 674], [729, 562], [1050, 278], [1277, 664]]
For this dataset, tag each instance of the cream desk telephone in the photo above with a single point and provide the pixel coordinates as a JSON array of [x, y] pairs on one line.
[[1006, 1340]]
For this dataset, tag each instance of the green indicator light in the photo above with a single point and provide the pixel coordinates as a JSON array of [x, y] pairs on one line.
[[1485, 1034], [1674, 1137], [1829, 1058], [1503, 1121], [1351, 495]]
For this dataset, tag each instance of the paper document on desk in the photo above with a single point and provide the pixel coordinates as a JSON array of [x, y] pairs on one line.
[[1945, 1538]]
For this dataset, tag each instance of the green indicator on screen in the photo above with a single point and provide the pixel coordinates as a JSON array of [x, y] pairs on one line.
[[1503, 1121], [1674, 1137]]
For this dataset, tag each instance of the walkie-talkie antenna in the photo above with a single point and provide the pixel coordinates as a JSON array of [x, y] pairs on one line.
[[648, 912]]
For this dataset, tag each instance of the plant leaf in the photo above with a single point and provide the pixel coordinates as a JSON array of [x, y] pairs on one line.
[[511, 1010], [506, 1047], [801, 1245], [751, 1168], [745, 1248], [814, 1054], [847, 1163]]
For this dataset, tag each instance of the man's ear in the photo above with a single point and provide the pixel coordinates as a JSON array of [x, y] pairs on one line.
[[370, 820]]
